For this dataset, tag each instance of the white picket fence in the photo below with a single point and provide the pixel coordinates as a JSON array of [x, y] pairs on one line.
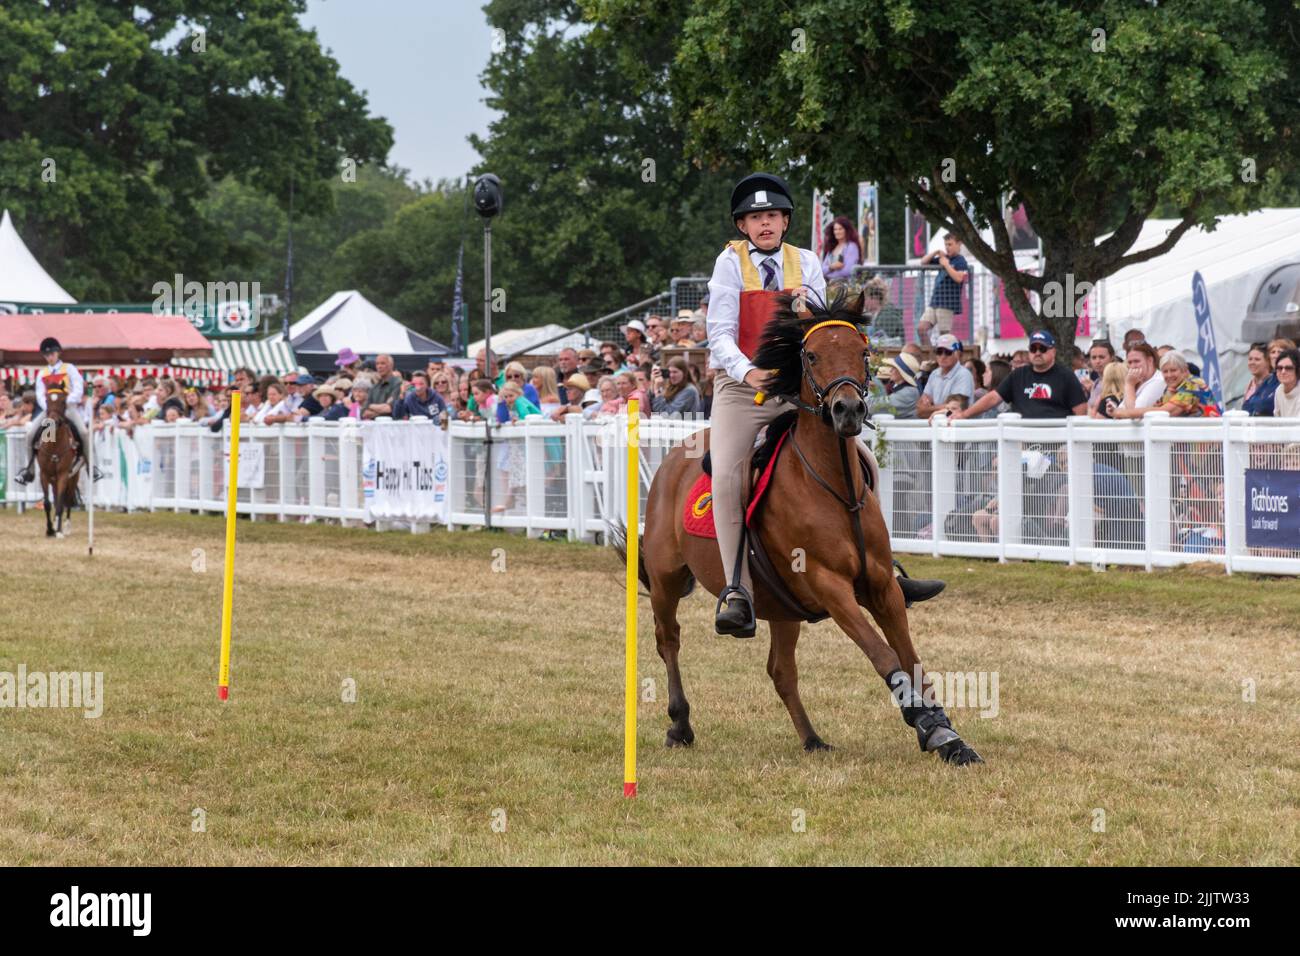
[[1153, 493]]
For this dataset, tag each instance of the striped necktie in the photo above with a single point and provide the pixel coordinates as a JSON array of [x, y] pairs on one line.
[[769, 274]]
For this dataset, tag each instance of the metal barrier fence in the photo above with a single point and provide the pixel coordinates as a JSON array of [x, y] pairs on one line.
[[909, 291], [1155, 493]]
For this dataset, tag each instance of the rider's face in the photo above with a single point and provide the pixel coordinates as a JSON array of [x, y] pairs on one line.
[[51, 356], [765, 227]]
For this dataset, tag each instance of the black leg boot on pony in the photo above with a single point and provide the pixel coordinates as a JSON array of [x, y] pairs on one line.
[[933, 728]]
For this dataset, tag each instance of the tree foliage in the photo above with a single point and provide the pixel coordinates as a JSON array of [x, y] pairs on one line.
[[116, 117], [1094, 114], [602, 206]]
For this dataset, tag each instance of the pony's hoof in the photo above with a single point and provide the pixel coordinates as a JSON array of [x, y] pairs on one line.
[[59, 535], [815, 743], [959, 753], [679, 738]]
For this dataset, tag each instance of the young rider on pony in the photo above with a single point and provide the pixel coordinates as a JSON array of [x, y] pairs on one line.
[[748, 276], [56, 370]]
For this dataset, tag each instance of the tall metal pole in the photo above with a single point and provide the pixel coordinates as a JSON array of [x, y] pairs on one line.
[[488, 470]]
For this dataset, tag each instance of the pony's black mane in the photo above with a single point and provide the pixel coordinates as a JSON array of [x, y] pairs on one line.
[[782, 342]]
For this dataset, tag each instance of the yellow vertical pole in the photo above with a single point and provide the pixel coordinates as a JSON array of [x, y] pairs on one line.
[[228, 583], [633, 560]]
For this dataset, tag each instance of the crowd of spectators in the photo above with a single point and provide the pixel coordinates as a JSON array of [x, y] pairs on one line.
[[936, 384], [1103, 382], [592, 382]]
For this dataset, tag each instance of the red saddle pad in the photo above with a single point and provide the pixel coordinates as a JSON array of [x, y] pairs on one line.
[[697, 515]]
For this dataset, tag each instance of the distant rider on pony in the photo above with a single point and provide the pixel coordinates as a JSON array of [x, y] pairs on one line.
[[748, 276], [70, 377]]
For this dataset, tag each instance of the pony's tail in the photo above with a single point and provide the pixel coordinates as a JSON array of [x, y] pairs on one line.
[[618, 539]]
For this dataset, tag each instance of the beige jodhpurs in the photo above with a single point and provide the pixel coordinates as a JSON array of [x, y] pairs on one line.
[[733, 426]]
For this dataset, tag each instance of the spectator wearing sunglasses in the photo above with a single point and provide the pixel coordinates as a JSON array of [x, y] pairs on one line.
[[515, 372], [1041, 389], [949, 379], [1286, 400]]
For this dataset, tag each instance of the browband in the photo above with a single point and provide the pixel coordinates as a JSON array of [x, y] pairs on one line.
[[822, 325]]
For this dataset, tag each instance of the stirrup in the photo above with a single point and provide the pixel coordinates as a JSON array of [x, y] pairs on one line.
[[745, 627]]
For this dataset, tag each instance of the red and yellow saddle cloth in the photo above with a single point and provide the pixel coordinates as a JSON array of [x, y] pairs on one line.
[[697, 516], [758, 305]]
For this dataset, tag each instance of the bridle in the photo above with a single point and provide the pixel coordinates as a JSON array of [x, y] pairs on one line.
[[822, 393], [850, 500], [49, 412]]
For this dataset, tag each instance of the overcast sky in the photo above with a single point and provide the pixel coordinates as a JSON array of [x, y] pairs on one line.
[[418, 62]]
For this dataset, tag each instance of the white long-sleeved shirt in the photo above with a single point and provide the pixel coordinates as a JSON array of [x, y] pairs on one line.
[[724, 303], [76, 384]]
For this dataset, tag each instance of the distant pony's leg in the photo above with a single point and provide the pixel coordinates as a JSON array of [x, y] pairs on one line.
[[665, 594], [784, 672], [49, 517], [933, 729]]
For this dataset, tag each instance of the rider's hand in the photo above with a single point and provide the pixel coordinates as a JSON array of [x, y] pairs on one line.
[[755, 378]]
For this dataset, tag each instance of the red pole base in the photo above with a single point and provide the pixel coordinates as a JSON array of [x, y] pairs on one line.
[[223, 693], [629, 789]]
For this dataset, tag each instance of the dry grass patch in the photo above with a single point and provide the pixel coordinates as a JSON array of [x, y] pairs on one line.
[[479, 691]]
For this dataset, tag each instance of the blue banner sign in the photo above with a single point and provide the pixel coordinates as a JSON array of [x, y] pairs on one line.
[[1273, 508], [1205, 338]]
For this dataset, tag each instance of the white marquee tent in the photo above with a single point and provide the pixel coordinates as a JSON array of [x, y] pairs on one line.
[[1156, 296], [21, 277], [350, 320], [516, 341]]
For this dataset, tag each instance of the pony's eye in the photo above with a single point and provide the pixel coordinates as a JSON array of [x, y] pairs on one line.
[[812, 358]]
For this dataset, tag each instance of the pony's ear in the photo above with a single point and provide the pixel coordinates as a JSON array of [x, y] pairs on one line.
[[799, 306], [856, 305]]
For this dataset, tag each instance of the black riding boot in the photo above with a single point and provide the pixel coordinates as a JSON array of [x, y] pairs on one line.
[[735, 614], [916, 590], [28, 474]]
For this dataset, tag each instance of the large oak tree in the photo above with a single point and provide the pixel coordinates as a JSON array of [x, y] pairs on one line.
[[1093, 114]]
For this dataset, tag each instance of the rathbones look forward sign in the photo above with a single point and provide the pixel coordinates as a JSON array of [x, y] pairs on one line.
[[1272, 508]]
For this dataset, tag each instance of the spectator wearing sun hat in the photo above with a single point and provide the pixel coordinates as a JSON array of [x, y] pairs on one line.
[[638, 343], [900, 393], [575, 387], [681, 328], [348, 361], [591, 404]]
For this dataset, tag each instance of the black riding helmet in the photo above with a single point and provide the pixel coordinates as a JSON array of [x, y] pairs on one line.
[[50, 344], [759, 191]]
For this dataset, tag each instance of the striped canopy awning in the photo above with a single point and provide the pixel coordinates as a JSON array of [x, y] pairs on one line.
[[264, 358], [27, 374]]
